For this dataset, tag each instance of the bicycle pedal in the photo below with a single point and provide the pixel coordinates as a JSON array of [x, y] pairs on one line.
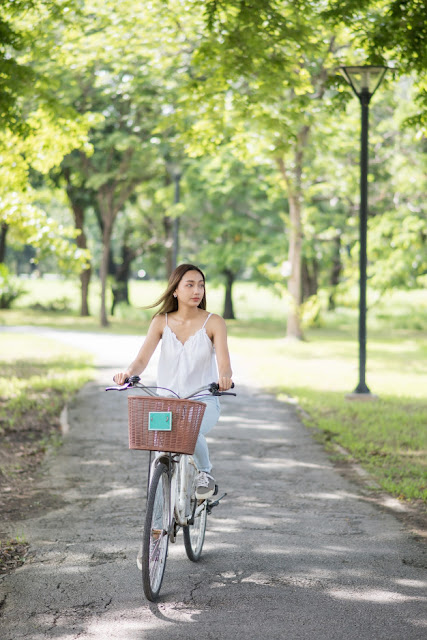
[[211, 505]]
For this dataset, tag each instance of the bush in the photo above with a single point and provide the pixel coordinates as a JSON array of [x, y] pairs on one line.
[[59, 305], [10, 289]]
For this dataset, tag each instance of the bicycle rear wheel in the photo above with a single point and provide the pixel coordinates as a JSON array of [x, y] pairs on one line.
[[194, 534], [156, 533]]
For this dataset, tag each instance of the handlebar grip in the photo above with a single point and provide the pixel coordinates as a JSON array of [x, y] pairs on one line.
[[214, 389]]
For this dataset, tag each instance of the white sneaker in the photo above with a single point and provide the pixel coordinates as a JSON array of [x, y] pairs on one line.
[[205, 485]]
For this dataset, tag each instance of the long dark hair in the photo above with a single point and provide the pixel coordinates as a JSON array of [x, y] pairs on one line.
[[167, 300]]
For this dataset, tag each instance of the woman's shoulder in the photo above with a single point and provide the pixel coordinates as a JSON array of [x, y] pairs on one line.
[[158, 322], [215, 320]]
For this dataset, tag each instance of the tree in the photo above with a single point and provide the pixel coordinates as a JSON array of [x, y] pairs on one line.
[[231, 219], [22, 219], [105, 71], [268, 67], [23, 27], [35, 132]]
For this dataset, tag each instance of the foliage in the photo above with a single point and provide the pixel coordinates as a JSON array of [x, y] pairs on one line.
[[10, 289], [393, 33], [23, 37], [35, 131], [247, 102], [239, 218]]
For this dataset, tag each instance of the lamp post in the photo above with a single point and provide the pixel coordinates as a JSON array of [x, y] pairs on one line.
[[175, 172], [177, 178], [364, 80]]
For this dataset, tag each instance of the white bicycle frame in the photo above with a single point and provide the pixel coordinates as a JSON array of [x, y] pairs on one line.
[[181, 487]]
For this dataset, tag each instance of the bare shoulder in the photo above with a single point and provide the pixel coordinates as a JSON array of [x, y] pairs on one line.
[[158, 324], [216, 320], [216, 324]]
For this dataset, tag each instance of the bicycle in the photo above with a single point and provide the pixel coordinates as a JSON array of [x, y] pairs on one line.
[[170, 427]]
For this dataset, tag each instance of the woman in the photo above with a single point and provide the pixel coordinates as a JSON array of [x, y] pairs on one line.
[[194, 353]]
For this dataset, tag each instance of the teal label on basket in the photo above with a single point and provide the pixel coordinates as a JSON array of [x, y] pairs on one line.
[[160, 421]]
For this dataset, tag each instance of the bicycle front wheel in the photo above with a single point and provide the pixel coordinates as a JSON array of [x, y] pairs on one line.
[[194, 534], [156, 533]]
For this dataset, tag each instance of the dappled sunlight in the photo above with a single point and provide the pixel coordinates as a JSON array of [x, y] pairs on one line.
[[124, 491], [99, 463], [413, 584], [373, 595], [282, 463], [338, 495], [251, 423]]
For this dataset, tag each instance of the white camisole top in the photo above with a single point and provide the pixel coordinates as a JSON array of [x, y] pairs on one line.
[[183, 368]]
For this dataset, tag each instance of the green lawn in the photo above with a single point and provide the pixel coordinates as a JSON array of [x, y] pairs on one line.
[[37, 377], [387, 436]]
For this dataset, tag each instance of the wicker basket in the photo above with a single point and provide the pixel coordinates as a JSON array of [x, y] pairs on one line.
[[187, 417]]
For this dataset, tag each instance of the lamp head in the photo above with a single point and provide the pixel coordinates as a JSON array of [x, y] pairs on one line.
[[364, 80]]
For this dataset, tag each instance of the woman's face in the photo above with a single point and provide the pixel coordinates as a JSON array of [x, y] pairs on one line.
[[191, 288]]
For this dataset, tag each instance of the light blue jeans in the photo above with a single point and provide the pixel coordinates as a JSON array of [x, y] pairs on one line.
[[210, 418]]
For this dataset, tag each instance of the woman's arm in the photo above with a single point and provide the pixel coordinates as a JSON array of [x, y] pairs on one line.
[[219, 338], [149, 345]]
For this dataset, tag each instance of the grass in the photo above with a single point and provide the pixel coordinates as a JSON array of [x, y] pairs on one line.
[[387, 436], [37, 378], [35, 307], [12, 554]]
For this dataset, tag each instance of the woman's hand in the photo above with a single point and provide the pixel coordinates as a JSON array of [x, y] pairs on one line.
[[120, 378], [224, 383]]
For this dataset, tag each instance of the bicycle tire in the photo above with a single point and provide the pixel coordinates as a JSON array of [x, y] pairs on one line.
[[194, 534], [156, 533]]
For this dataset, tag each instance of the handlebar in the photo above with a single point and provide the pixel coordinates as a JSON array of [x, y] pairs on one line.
[[134, 382]]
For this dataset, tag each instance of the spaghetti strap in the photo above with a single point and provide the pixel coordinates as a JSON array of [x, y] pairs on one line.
[[166, 316], [206, 320]]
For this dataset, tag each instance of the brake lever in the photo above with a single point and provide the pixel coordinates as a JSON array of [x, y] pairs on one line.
[[128, 384], [120, 387]]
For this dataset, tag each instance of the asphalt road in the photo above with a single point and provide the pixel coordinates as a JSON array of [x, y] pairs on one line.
[[293, 552]]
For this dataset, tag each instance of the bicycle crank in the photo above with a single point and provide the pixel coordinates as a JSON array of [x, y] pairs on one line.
[[211, 505]]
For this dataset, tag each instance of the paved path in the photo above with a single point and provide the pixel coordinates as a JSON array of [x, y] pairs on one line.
[[294, 552]]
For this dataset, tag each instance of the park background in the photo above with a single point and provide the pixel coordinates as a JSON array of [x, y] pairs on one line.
[[221, 133]]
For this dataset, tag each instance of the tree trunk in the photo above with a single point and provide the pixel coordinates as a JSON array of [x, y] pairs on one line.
[[168, 227], [335, 272], [120, 287], [293, 182], [3, 231], [294, 329], [106, 244], [228, 299], [78, 209], [309, 273], [86, 274]]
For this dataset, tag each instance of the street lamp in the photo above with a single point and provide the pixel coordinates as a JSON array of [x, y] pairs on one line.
[[364, 80]]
